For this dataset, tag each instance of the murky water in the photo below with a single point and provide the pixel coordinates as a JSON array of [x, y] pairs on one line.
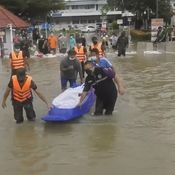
[[139, 139]]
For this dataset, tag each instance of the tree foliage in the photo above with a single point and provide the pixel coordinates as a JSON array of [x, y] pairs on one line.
[[32, 8], [139, 6]]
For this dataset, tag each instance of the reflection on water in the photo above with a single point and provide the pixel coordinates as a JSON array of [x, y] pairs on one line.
[[26, 150], [138, 139]]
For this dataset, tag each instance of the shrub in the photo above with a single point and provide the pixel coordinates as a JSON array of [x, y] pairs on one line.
[[115, 26], [140, 35]]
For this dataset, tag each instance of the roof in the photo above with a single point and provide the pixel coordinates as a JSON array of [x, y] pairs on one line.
[[7, 17]]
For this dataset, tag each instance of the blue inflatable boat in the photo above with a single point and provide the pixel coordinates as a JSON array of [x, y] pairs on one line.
[[65, 105]]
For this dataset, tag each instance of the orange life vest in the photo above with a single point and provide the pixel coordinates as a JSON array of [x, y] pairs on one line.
[[98, 46], [80, 53], [17, 62], [21, 93]]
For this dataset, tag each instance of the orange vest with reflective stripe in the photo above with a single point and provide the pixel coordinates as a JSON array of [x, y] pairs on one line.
[[98, 46], [21, 93], [80, 53], [17, 62]]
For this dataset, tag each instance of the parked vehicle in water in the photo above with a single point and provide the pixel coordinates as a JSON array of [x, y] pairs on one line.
[[88, 29]]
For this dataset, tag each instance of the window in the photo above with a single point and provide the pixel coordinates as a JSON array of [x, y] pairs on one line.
[[96, 6], [91, 6], [91, 21], [83, 21], [75, 7], [75, 21]]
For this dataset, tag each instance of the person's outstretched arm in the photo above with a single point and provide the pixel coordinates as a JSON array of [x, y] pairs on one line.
[[6, 94], [79, 69], [83, 96], [42, 97], [119, 83]]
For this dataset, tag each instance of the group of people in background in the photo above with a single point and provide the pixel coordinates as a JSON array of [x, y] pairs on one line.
[[89, 63], [98, 72], [62, 43]]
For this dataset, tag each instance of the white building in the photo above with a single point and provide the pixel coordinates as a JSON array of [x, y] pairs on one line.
[[78, 12], [172, 2]]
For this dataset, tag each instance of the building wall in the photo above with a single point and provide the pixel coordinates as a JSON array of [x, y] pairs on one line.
[[79, 12], [85, 2], [172, 2]]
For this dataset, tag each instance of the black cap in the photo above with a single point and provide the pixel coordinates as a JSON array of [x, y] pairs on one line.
[[17, 46], [71, 52], [21, 74], [94, 38]]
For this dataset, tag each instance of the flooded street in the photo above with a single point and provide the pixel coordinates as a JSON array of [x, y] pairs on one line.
[[139, 139]]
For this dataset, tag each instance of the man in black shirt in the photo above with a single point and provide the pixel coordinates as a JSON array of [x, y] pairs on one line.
[[21, 86], [105, 89], [122, 44]]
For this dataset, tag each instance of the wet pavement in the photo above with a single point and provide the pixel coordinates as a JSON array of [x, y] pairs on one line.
[[139, 138]]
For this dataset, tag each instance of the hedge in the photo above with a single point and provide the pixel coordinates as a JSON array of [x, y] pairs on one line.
[[140, 35]]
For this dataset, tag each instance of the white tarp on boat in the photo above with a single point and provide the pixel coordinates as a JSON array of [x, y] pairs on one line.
[[69, 98]]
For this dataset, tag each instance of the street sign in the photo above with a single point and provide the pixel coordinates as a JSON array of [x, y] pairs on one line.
[[119, 21], [155, 23]]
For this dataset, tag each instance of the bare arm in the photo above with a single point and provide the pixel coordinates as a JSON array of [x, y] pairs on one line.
[[83, 95], [26, 64], [80, 71], [42, 97], [81, 75], [6, 94], [85, 53], [119, 82]]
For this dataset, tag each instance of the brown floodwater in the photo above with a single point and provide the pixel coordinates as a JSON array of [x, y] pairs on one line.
[[139, 139]]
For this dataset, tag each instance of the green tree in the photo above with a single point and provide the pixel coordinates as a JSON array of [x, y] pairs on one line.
[[139, 6], [32, 8]]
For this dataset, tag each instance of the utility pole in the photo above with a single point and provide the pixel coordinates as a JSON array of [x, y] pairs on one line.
[[11, 36], [157, 8]]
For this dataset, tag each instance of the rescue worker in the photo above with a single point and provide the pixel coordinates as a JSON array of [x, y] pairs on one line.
[[53, 42], [105, 64], [97, 45], [21, 86], [105, 89], [81, 54], [69, 68], [18, 59]]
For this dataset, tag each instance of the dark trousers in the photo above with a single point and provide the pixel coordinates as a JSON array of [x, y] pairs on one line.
[[121, 51], [64, 82], [105, 103], [18, 111], [82, 66]]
